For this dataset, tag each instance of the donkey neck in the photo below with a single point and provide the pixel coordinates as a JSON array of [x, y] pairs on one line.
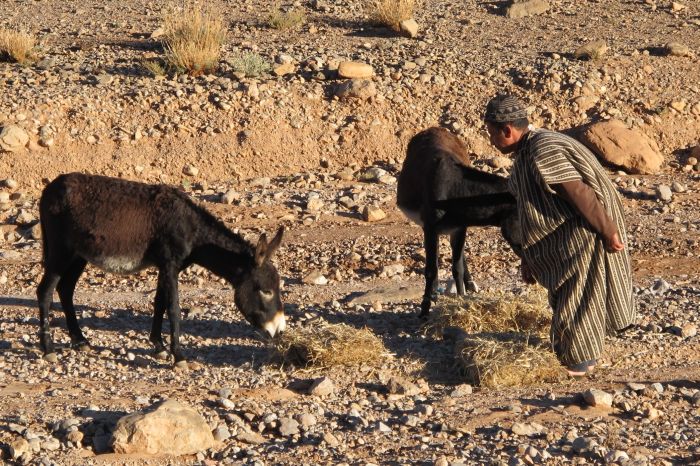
[[221, 251]]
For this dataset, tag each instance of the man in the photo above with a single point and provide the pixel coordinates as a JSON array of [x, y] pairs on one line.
[[573, 233]]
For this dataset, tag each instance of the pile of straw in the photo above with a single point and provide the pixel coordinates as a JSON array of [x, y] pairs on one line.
[[492, 312], [501, 338], [506, 360], [325, 345]]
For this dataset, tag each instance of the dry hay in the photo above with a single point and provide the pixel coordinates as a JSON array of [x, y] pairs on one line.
[[506, 360], [324, 345], [492, 312]]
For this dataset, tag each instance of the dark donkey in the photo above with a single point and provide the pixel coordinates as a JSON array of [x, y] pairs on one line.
[[123, 226], [437, 190]]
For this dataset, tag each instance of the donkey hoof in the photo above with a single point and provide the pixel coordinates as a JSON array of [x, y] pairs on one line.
[[472, 286], [181, 365], [51, 357], [162, 355]]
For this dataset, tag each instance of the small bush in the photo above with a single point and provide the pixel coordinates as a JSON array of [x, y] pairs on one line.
[[193, 39], [154, 67], [390, 13], [286, 20], [251, 64], [16, 46]]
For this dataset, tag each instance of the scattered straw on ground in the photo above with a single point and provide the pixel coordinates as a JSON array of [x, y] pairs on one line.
[[492, 312], [506, 360], [324, 345]]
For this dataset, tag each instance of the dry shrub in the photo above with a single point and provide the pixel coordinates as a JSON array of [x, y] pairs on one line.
[[506, 360], [17, 46], [492, 312], [193, 39], [250, 63], [286, 20], [324, 345], [391, 12]]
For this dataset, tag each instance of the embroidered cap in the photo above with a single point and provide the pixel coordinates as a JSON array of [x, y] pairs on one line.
[[504, 109]]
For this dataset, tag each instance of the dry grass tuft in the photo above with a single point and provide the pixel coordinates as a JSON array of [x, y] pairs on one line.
[[286, 20], [16, 46], [506, 360], [193, 39], [492, 312], [154, 67], [390, 13], [326, 345]]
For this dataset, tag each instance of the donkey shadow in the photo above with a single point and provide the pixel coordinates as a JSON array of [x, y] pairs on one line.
[[122, 320]]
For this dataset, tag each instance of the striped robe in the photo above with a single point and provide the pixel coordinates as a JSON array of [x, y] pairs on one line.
[[590, 290]]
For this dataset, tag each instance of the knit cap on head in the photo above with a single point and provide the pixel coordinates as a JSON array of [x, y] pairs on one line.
[[504, 109]]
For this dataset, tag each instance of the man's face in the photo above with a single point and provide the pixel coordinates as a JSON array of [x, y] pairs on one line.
[[505, 138]]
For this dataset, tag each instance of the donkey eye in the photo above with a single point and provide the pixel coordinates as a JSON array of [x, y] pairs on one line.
[[266, 295]]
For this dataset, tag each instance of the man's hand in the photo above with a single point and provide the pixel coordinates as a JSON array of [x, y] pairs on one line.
[[613, 243], [526, 274]]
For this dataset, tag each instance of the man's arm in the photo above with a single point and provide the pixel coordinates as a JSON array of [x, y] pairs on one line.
[[583, 198]]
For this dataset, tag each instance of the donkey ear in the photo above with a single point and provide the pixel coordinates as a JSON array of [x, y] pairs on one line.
[[274, 244], [261, 250]]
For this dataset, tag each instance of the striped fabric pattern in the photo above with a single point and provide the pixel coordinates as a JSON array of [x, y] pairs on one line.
[[590, 290]]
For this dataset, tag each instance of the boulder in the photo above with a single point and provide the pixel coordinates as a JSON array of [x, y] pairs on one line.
[[13, 138], [168, 428], [628, 148], [677, 49], [284, 68], [521, 9], [362, 89], [592, 50], [372, 214], [595, 397], [355, 70], [409, 27]]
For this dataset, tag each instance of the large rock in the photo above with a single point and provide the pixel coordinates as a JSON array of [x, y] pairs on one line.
[[409, 27], [355, 70], [624, 147], [169, 428], [13, 138], [521, 9], [362, 89], [677, 49], [592, 50]]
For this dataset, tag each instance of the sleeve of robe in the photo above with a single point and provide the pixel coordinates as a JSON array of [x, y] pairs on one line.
[[559, 177]]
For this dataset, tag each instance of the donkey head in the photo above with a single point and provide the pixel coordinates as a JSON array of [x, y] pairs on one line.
[[258, 295]]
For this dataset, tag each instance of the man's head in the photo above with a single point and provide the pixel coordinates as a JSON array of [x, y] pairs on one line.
[[506, 121]]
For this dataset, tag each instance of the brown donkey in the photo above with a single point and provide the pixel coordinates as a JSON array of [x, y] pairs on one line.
[[440, 192], [123, 226]]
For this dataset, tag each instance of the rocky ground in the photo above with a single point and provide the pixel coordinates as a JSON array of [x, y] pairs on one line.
[[283, 150]]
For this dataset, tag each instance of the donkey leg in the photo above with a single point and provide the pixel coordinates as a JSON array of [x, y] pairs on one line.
[[457, 240], [167, 281], [44, 292], [157, 326], [430, 242], [66, 289]]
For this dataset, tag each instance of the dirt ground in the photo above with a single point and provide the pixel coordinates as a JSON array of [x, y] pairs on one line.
[[281, 141]]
